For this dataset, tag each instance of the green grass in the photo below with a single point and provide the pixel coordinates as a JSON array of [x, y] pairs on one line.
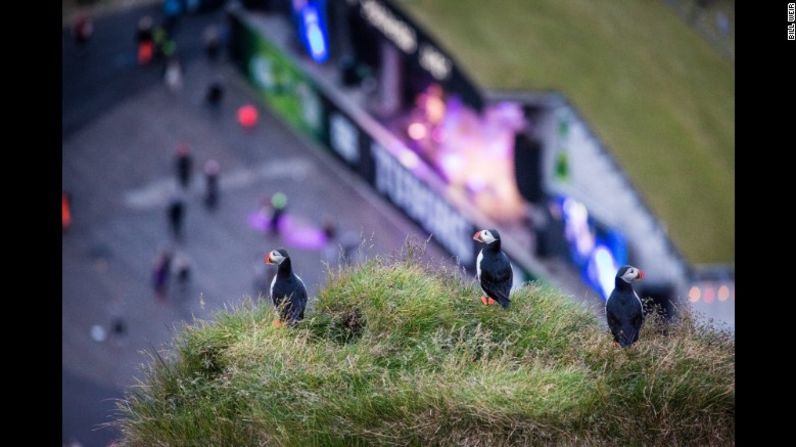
[[397, 354], [659, 96]]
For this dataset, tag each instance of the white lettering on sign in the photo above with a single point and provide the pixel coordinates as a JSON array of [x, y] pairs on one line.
[[402, 35], [260, 69], [422, 204], [435, 62], [344, 138]]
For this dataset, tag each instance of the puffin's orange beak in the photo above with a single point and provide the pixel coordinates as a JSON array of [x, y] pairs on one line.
[[477, 236], [641, 274], [267, 259]]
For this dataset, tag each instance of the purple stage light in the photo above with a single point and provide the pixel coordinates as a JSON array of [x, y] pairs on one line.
[[297, 233], [294, 231]]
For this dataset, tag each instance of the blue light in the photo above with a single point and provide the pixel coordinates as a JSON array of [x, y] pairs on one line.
[[605, 265], [315, 36], [595, 250], [172, 7], [312, 29]]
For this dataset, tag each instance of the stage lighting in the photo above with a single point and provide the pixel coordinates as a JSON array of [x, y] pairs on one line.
[[694, 294]]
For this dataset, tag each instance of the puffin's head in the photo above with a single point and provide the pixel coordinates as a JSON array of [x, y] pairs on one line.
[[487, 236], [629, 274], [276, 256]]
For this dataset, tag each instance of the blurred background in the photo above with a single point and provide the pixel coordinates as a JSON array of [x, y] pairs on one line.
[[200, 134]]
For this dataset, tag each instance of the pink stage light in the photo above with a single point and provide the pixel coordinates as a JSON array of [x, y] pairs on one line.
[[724, 293], [710, 295], [694, 294], [417, 131], [435, 108]]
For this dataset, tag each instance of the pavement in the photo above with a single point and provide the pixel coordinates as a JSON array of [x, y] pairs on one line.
[[121, 126]]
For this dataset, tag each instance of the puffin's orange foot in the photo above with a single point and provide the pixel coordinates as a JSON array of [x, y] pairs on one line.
[[278, 324], [486, 301]]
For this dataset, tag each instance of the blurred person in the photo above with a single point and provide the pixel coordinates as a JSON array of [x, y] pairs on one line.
[[173, 76], [278, 206], [165, 47], [83, 29], [215, 93], [144, 39], [171, 12], [329, 229], [118, 326], [212, 41], [211, 183], [159, 39], [182, 270], [161, 275], [168, 49], [184, 165], [349, 244], [176, 214]]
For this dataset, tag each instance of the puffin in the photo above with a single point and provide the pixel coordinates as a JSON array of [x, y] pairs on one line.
[[493, 269], [287, 289], [623, 309]]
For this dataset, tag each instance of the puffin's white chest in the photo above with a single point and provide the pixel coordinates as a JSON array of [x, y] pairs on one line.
[[478, 264], [273, 281]]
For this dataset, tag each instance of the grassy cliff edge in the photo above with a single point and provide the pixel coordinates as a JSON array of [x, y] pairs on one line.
[[394, 353]]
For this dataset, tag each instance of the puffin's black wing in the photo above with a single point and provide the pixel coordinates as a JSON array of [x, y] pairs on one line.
[[624, 313], [614, 323], [298, 302], [497, 279], [637, 321], [291, 294]]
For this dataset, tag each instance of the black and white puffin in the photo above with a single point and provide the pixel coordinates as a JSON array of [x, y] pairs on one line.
[[287, 290], [624, 310], [493, 269]]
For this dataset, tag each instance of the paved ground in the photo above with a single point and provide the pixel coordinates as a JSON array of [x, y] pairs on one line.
[[120, 128]]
